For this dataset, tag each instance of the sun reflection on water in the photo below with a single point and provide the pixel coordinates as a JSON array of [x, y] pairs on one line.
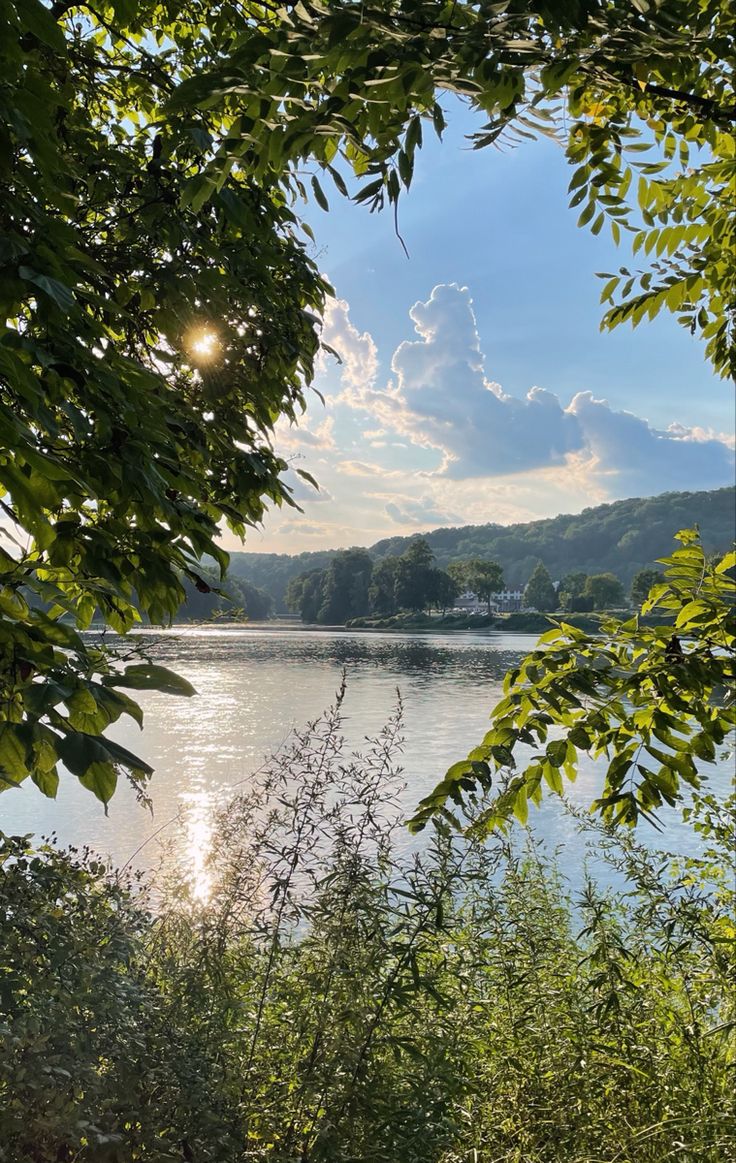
[[198, 816]]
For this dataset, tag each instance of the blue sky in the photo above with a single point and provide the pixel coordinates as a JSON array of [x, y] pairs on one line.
[[428, 420]]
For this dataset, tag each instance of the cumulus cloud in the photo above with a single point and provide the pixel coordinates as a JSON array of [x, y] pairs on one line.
[[357, 352], [305, 528], [361, 468], [441, 399], [624, 447]]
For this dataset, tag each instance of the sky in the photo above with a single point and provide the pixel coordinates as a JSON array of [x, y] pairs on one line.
[[475, 383]]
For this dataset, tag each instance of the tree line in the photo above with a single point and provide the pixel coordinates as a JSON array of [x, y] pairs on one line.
[[353, 585], [622, 537]]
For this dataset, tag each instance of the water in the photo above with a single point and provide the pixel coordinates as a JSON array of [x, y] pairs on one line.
[[254, 686]]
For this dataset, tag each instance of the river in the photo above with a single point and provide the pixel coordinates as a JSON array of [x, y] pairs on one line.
[[254, 685]]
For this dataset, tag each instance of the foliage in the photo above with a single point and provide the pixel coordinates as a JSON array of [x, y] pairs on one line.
[[159, 307], [539, 593], [415, 582], [351, 586], [382, 593], [604, 590], [621, 537], [640, 95], [234, 600], [340, 998], [482, 578], [653, 702], [570, 588], [335, 594], [154, 327], [642, 583], [443, 591]]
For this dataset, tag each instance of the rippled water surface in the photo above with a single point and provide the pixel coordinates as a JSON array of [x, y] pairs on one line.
[[254, 686]]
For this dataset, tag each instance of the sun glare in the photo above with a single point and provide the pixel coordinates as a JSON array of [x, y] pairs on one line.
[[203, 344]]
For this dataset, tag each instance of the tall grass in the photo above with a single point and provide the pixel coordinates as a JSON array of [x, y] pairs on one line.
[[341, 998]]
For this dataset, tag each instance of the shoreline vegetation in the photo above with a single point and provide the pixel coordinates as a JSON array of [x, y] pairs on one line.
[[330, 994], [516, 623]]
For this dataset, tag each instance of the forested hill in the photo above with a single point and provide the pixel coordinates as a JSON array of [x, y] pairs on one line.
[[621, 538]]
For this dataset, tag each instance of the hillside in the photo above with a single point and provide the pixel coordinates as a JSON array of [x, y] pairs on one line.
[[620, 537]]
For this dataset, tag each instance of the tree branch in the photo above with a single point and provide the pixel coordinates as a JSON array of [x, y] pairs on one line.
[[707, 104]]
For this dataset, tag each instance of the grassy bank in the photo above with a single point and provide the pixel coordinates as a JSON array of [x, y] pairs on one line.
[[338, 999], [527, 623]]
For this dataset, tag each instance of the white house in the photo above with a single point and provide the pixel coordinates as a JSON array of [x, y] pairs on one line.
[[505, 602]]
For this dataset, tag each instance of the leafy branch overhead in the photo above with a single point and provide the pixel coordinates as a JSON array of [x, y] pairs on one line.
[[639, 94], [651, 702]]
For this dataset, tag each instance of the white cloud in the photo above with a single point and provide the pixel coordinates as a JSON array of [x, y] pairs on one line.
[[441, 399], [304, 528], [357, 352], [361, 468], [638, 458]]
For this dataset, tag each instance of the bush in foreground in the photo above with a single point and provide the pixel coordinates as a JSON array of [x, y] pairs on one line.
[[340, 998]]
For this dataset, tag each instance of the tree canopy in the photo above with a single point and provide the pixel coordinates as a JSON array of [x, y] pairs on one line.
[[641, 584], [155, 328], [352, 585], [640, 94], [540, 594], [483, 578], [605, 591]]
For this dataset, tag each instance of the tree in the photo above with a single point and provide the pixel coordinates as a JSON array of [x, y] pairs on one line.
[[443, 589], [414, 576], [570, 588], [652, 702], [209, 599], [304, 594], [157, 325], [458, 571], [604, 590], [642, 584], [539, 593], [345, 587], [484, 579], [640, 94], [382, 591]]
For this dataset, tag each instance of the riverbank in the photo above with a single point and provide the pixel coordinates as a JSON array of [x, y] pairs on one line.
[[526, 623]]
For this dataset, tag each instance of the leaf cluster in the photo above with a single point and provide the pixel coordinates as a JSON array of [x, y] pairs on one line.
[[651, 703]]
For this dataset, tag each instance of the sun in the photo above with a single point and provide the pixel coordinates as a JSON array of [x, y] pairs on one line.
[[203, 344]]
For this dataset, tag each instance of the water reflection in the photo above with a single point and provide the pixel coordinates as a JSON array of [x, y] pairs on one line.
[[199, 808], [254, 687]]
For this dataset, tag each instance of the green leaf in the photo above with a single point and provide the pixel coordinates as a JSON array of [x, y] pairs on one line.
[[101, 779], [56, 290], [147, 676], [319, 194], [39, 21]]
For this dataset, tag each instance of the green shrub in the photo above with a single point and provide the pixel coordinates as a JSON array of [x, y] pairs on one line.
[[343, 998]]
